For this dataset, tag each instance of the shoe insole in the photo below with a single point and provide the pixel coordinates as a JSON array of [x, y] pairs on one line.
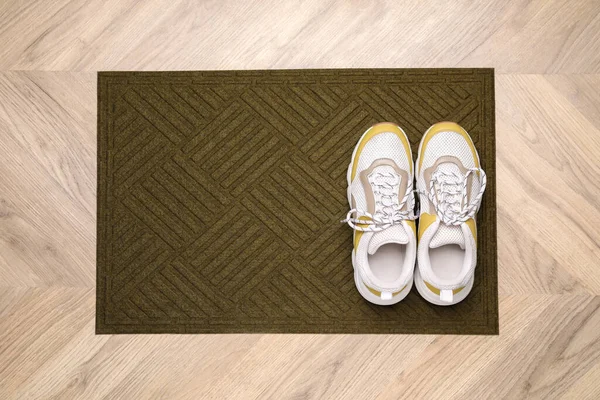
[[386, 264], [447, 261]]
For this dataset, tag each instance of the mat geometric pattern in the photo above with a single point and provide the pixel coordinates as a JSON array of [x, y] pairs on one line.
[[220, 196]]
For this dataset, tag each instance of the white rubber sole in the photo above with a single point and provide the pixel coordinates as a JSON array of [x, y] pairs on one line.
[[419, 283], [360, 286]]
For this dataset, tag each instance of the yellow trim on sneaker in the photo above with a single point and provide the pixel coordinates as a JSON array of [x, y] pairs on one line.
[[425, 220], [437, 291], [376, 129], [378, 293], [445, 127], [473, 226], [358, 234]]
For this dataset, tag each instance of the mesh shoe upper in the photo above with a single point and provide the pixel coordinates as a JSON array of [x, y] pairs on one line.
[[383, 146]]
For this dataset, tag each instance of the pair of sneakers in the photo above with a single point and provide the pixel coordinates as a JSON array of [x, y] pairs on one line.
[[450, 184]]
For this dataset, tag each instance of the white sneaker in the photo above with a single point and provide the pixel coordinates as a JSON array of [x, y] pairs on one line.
[[380, 193], [450, 183]]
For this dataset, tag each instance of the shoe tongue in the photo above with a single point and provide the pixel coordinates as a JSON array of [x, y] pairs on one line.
[[448, 234], [450, 168], [393, 234]]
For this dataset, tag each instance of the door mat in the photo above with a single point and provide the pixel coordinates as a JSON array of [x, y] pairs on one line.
[[220, 196]]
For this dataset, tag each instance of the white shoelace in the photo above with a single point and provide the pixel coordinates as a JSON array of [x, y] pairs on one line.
[[450, 198], [388, 210]]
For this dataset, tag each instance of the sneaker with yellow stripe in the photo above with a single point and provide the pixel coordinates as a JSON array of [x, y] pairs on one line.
[[451, 184], [380, 193]]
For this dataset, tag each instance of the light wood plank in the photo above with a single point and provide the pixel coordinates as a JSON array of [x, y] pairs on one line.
[[49, 350], [548, 186], [513, 36], [47, 179]]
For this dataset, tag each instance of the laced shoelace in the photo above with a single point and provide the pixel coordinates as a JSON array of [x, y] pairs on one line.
[[450, 197], [388, 209]]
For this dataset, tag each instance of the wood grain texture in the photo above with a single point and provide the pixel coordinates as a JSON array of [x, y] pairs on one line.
[[548, 147]]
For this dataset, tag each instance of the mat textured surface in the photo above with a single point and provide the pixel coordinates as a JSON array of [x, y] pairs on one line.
[[220, 196]]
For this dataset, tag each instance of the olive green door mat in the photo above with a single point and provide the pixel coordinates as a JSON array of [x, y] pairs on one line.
[[220, 195]]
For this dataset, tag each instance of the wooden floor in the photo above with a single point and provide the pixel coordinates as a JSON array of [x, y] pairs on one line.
[[547, 60]]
